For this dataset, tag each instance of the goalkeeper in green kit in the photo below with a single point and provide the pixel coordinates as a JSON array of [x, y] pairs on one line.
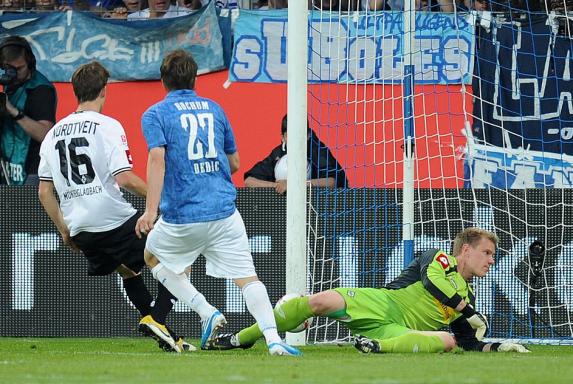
[[408, 313]]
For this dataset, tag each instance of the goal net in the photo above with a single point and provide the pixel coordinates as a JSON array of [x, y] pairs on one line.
[[485, 94]]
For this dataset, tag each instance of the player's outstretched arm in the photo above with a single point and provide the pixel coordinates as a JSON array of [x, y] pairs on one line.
[[466, 339], [155, 179]]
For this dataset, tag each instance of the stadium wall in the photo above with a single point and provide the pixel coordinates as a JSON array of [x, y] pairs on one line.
[[46, 292], [255, 111]]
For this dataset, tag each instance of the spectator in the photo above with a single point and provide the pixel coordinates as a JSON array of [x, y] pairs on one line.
[[473, 4], [159, 9], [421, 5], [16, 5], [323, 170], [262, 5], [101, 6], [335, 5], [30, 112], [278, 4], [191, 4], [51, 5], [226, 4], [129, 6], [75, 5], [46, 5]]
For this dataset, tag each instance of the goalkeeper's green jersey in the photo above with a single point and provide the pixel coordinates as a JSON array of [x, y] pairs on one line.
[[422, 298], [426, 291]]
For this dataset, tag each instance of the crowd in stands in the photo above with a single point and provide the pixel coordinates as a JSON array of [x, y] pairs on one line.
[[145, 9]]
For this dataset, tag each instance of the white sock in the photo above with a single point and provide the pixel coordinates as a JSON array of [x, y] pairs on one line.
[[180, 286], [259, 305]]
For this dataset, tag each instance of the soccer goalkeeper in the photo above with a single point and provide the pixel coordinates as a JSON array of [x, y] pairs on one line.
[[408, 313]]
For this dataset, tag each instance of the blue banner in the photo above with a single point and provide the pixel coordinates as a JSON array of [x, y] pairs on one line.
[[365, 47], [523, 108], [130, 50]]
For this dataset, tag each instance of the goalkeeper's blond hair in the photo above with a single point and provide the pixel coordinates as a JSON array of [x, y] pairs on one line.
[[472, 236]]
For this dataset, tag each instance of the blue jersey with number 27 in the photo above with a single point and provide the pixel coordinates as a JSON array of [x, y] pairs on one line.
[[197, 137]]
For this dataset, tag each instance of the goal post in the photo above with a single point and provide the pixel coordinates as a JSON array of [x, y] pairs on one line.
[[409, 17], [296, 269]]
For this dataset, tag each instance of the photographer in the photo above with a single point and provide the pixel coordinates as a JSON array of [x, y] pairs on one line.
[[27, 112]]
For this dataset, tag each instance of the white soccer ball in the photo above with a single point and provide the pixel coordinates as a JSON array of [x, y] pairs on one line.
[[302, 326]]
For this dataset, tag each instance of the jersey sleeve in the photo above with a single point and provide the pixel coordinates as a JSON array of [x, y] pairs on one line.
[[465, 335], [230, 145], [152, 129], [117, 150], [264, 169], [44, 171], [434, 265]]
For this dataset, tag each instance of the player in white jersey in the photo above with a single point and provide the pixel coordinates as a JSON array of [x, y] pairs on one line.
[[85, 156], [192, 153]]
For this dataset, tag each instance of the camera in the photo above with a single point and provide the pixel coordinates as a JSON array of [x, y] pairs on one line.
[[8, 74], [536, 257]]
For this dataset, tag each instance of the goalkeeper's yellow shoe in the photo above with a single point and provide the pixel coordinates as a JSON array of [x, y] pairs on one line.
[[149, 327]]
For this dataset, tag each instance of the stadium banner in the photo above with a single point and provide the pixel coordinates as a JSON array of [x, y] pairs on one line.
[[365, 47], [130, 50], [523, 134], [45, 290]]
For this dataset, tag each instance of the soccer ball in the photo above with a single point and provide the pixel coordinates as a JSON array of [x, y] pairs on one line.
[[302, 326]]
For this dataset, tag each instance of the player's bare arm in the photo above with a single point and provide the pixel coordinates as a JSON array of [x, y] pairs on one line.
[[234, 162], [328, 182], [132, 183], [50, 203], [253, 182]]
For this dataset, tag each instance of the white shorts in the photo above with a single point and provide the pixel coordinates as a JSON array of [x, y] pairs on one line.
[[224, 244]]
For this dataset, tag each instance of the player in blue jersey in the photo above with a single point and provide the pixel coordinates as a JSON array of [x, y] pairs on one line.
[[192, 154]]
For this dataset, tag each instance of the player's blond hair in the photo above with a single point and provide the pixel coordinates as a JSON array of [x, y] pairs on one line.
[[472, 236]]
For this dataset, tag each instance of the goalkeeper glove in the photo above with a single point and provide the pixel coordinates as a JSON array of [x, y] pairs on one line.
[[477, 321], [511, 347]]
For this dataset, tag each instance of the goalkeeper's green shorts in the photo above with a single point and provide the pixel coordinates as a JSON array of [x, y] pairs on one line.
[[370, 313]]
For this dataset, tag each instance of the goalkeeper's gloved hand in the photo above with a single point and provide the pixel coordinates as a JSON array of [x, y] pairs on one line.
[[476, 320], [512, 347]]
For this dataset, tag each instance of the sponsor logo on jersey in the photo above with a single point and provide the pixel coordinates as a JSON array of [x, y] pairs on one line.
[[453, 282], [446, 312], [443, 260], [129, 158], [124, 139], [350, 293]]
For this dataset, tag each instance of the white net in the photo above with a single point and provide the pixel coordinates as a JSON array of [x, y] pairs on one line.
[[490, 113]]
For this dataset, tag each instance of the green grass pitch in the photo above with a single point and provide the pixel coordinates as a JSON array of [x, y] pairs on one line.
[[138, 360]]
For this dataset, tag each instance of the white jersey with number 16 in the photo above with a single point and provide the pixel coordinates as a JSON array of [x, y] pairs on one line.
[[81, 155]]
